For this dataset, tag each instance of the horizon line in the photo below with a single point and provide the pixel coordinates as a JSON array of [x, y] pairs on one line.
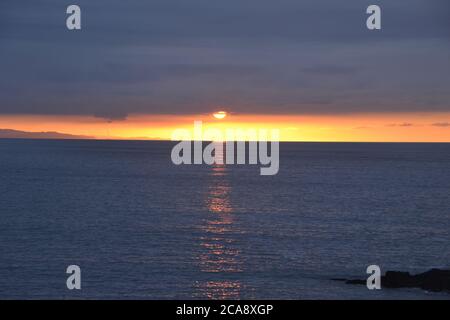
[[174, 141]]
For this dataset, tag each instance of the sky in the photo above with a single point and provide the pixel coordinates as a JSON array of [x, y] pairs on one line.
[[308, 67]]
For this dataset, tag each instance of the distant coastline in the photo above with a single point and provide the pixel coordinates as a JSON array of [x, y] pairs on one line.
[[53, 135], [16, 134]]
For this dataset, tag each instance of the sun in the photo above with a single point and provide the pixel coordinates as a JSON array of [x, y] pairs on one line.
[[220, 115]]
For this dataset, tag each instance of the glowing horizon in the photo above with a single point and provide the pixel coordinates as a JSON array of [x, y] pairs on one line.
[[386, 127]]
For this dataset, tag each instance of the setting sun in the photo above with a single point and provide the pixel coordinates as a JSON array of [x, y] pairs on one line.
[[220, 115]]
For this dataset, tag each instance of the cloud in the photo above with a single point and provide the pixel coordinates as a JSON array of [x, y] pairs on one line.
[[252, 56], [404, 124], [441, 124], [112, 116]]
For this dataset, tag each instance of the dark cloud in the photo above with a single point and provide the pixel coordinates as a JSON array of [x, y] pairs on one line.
[[404, 124], [441, 124], [252, 56], [111, 116]]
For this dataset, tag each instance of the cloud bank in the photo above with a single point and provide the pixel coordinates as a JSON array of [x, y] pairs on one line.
[[252, 56]]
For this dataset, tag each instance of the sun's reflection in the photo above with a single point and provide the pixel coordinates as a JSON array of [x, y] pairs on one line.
[[220, 256], [218, 200], [220, 290]]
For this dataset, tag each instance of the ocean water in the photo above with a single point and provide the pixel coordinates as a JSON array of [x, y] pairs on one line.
[[142, 228]]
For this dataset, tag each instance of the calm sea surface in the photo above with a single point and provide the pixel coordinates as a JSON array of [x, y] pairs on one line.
[[141, 227]]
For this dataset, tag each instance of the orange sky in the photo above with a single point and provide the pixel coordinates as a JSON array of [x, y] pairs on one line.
[[406, 127]]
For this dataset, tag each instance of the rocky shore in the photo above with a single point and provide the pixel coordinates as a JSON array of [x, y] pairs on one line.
[[435, 280]]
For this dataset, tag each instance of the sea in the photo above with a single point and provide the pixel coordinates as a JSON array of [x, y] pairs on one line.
[[140, 227]]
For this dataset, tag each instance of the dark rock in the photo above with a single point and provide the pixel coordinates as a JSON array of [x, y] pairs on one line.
[[433, 280]]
